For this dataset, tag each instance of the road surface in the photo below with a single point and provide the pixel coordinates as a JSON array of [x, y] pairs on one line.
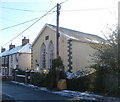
[[23, 93]]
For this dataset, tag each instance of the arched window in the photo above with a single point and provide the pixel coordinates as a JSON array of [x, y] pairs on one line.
[[43, 56], [50, 54]]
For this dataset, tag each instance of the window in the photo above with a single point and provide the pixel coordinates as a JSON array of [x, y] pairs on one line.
[[43, 56], [46, 37], [6, 60], [11, 58], [50, 54], [3, 60], [16, 57]]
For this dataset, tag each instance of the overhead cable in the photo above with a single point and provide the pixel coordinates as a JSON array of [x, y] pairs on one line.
[[22, 9], [19, 24], [85, 9], [31, 25]]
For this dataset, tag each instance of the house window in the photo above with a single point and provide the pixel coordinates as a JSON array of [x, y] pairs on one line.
[[6, 60], [2, 60], [16, 58], [11, 58], [50, 54], [43, 56]]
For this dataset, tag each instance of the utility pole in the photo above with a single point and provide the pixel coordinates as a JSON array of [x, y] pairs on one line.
[[119, 47], [57, 30], [57, 41]]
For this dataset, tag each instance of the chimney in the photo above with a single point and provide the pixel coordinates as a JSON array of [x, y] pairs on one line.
[[2, 49], [11, 46], [25, 41]]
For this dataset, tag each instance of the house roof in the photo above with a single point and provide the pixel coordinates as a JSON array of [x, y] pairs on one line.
[[19, 49], [70, 34]]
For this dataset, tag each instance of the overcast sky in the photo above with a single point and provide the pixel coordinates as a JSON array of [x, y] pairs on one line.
[[89, 16]]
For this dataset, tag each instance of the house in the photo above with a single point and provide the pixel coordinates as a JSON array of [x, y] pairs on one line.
[[74, 48], [15, 57]]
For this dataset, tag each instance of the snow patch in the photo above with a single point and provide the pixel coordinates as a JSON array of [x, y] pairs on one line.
[[68, 37], [43, 89], [80, 73], [92, 40], [20, 75], [71, 75]]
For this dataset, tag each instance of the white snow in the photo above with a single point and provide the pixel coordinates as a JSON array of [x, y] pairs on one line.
[[43, 89], [18, 49], [28, 77], [68, 37], [25, 49], [71, 75], [63, 34], [27, 71], [92, 40], [20, 75], [32, 71]]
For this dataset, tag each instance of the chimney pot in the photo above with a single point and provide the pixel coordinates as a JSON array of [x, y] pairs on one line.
[[11, 46], [2, 50], [25, 41]]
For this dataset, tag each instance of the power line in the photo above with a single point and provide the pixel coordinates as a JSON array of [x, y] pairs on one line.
[[85, 9], [31, 24], [22, 23], [35, 22], [54, 11], [63, 2], [22, 9], [19, 24]]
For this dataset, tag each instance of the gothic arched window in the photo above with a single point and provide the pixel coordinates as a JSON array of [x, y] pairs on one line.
[[43, 56], [50, 54]]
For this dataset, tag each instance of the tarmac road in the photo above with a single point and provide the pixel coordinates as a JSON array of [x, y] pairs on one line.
[[24, 93], [21, 93]]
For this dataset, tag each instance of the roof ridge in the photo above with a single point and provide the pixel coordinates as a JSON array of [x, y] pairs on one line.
[[78, 31]]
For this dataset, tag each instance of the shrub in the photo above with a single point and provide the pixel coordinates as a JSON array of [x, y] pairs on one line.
[[55, 73], [106, 82], [39, 79], [82, 83]]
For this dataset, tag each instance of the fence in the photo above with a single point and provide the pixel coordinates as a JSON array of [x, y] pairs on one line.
[[25, 77]]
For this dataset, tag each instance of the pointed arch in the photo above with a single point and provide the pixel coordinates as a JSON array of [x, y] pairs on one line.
[[50, 54], [43, 56]]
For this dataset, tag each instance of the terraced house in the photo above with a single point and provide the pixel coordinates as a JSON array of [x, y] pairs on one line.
[[15, 57], [74, 48]]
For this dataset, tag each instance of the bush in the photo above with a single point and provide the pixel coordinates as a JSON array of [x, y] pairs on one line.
[[51, 78], [55, 73], [98, 83], [106, 82], [81, 84], [39, 79]]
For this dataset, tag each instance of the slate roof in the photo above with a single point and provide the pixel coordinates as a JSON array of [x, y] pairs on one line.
[[19, 49], [73, 35], [77, 35]]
